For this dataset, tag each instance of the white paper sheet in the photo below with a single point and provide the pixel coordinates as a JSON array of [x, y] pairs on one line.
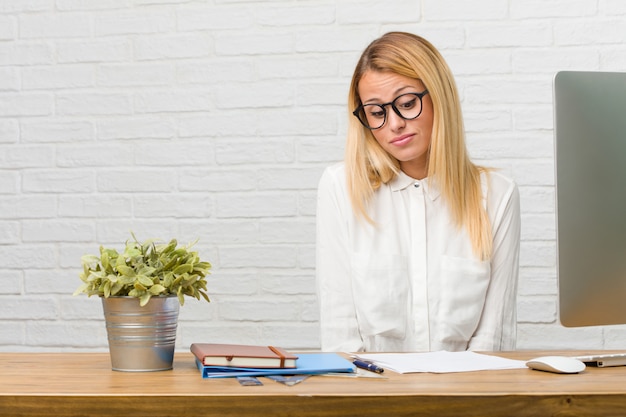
[[440, 362]]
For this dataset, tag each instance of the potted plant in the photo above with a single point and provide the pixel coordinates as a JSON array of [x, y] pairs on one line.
[[141, 291]]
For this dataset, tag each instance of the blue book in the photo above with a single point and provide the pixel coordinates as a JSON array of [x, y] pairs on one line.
[[307, 364]]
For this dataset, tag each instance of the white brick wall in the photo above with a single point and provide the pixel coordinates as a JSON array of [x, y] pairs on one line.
[[214, 119]]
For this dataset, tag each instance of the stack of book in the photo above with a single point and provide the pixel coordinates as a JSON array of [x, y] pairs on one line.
[[215, 360]]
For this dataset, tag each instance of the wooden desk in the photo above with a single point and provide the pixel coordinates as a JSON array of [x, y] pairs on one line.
[[73, 384]]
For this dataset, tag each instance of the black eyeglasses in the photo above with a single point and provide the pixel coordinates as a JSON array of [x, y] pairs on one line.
[[408, 106]]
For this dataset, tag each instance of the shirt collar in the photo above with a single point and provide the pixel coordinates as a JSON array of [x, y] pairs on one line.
[[402, 181]]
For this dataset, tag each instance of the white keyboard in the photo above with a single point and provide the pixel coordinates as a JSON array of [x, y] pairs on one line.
[[608, 359]]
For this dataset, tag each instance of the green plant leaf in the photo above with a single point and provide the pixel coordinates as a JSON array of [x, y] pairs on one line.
[[116, 288], [143, 300], [89, 259], [182, 269], [145, 269], [119, 261], [157, 289], [106, 261], [107, 289], [126, 270], [145, 281], [135, 293], [177, 282], [132, 252], [126, 281], [81, 289]]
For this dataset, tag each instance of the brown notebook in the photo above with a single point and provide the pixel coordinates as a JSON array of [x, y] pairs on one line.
[[243, 356]]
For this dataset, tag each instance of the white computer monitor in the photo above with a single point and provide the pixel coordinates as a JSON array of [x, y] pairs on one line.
[[590, 157]]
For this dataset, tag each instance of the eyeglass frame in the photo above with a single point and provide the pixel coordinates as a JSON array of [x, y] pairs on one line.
[[383, 106]]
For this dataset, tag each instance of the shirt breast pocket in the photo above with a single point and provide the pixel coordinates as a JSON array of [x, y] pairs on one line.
[[464, 284], [380, 290]]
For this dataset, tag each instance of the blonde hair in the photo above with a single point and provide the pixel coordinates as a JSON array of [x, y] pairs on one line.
[[368, 165]]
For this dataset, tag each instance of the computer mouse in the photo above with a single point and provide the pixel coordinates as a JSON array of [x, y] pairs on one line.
[[556, 364]]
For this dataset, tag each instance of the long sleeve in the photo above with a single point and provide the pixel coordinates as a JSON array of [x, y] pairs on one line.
[[339, 328], [497, 328]]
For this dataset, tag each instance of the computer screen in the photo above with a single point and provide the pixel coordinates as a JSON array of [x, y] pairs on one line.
[[590, 159]]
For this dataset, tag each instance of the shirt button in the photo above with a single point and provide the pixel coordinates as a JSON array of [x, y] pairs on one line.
[[416, 185]]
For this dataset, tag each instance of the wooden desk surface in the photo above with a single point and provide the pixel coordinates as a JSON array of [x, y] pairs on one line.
[[80, 384]]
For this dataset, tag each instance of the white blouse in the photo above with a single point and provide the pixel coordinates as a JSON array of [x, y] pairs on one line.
[[411, 282]]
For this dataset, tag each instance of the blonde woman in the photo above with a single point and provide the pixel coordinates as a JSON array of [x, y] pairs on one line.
[[417, 247]]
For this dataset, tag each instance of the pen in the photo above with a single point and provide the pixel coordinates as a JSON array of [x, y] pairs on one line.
[[369, 366]]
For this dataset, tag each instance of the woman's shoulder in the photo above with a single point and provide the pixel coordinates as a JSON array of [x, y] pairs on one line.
[[336, 169], [496, 180], [334, 174], [498, 188], [332, 190]]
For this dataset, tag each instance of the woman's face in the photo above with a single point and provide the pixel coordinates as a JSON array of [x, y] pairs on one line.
[[406, 140]]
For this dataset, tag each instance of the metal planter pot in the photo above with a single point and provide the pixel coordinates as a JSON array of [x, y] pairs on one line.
[[141, 339]]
